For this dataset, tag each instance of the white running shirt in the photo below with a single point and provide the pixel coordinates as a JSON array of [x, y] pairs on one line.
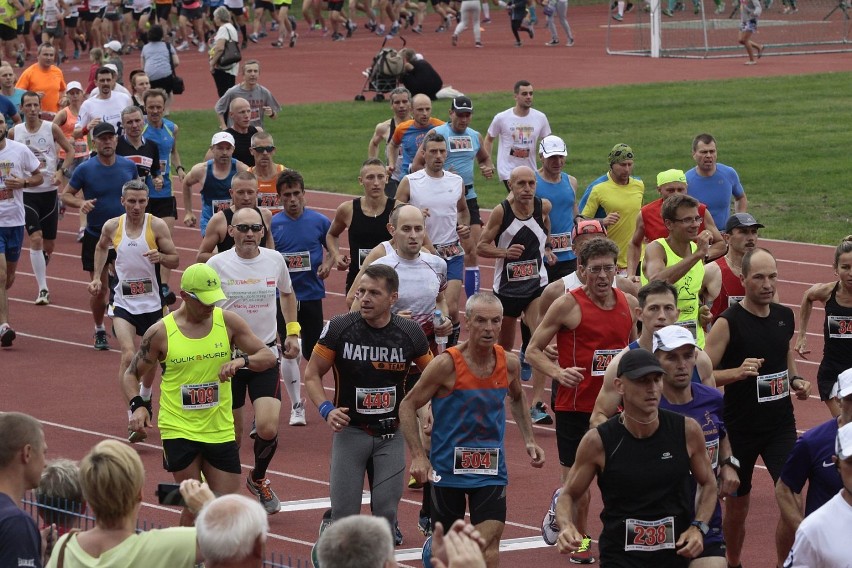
[[137, 290]]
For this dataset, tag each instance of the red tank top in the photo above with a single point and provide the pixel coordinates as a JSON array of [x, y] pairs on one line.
[[652, 219], [600, 336], [732, 290]]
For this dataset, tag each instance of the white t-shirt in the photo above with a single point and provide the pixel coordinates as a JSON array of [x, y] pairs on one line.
[[517, 137], [228, 32], [108, 110], [441, 196], [15, 160], [420, 281], [43, 146], [823, 537], [93, 94], [250, 285]]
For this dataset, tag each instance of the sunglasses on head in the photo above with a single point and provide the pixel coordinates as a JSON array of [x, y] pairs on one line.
[[263, 149], [244, 227]]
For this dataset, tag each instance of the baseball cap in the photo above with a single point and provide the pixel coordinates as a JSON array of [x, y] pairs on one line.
[[671, 337], [112, 67], [203, 282], [222, 137], [73, 85], [843, 447], [670, 176], [587, 227], [113, 45], [462, 104], [741, 220], [620, 153], [844, 384], [637, 363], [552, 146], [103, 128]]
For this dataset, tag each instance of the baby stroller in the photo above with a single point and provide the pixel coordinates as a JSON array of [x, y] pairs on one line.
[[383, 75]]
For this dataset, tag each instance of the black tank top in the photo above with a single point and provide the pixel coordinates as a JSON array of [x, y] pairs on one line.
[[521, 277], [660, 497], [365, 232], [837, 331], [228, 242], [751, 407]]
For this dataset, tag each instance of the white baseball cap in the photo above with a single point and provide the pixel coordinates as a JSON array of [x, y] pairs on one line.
[[552, 146], [222, 137], [113, 45], [843, 447], [671, 337], [73, 85], [844, 384]]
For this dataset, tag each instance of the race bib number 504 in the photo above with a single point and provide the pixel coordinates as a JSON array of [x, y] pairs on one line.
[[481, 461], [648, 536]]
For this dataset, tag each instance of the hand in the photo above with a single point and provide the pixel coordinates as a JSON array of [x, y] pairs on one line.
[[195, 494], [487, 171], [802, 347], [421, 469], [550, 257], [342, 262], [158, 182], [425, 212], [189, 219], [691, 543], [139, 420], [552, 352], [338, 419], [536, 454], [95, 287], [729, 481], [267, 111], [445, 329], [705, 318], [463, 231], [440, 540], [325, 268], [569, 540], [704, 240], [153, 256], [291, 347], [92, 123], [49, 535], [610, 219], [569, 377], [749, 368], [87, 206], [461, 551], [514, 252], [230, 369], [803, 391]]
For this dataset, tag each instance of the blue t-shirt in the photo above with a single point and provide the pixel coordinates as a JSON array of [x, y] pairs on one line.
[[810, 461], [561, 197], [715, 191], [301, 242], [103, 183], [20, 541], [8, 108], [164, 137], [462, 148]]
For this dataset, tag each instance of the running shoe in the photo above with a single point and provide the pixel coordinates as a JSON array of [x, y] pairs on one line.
[[262, 490], [531, 31], [324, 524], [254, 38], [570, 42], [583, 555], [424, 523], [337, 37], [397, 534], [526, 369], [201, 48], [297, 414], [253, 431], [668, 13], [549, 528], [426, 555], [440, 29], [519, 44], [539, 415], [552, 43], [101, 343], [486, 20], [278, 43], [7, 336], [43, 298], [183, 46], [617, 17], [455, 40], [293, 37], [478, 44], [417, 29]]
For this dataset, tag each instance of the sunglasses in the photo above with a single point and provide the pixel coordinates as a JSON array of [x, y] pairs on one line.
[[263, 149], [244, 228]]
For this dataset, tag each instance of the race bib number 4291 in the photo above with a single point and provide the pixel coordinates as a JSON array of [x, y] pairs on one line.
[[481, 461], [648, 536]]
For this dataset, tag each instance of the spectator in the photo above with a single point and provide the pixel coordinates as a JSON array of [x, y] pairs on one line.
[[419, 77], [112, 477], [232, 532], [22, 449], [261, 100], [157, 59], [357, 541], [224, 77], [59, 495]]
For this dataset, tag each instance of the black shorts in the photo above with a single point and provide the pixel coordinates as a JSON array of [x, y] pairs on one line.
[[126, 10], [7, 33], [486, 503], [24, 29], [146, 12], [71, 23], [162, 207], [236, 11], [473, 207], [179, 453], [88, 16], [42, 213], [826, 376], [714, 550], [192, 14], [163, 12], [570, 429], [309, 316], [100, 14], [264, 5], [773, 446], [142, 322], [335, 6], [165, 83], [560, 269], [259, 384], [87, 256], [514, 307]]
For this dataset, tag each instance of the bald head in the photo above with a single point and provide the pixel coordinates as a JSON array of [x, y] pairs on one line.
[[421, 109], [409, 231], [406, 214], [247, 216]]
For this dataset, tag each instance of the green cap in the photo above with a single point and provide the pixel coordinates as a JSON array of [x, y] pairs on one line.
[[670, 176], [620, 153], [203, 282]]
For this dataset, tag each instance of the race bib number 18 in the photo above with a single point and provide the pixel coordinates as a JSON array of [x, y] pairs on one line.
[[481, 461], [648, 536]]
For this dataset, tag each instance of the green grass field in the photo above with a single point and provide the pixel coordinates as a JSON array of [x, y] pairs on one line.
[[786, 136]]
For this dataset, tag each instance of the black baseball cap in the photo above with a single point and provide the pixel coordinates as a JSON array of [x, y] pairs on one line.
[[103, 128], [637, 363], [462, 104], [741, 220]]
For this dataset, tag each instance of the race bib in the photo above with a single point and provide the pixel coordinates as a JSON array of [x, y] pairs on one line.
[[773, 387], [732, 300], [560, 242], [137, 287], [839, 327], [601, 360], [267, 200], [713, 452], [375, 401], [81, 148], [648, 536], [197, 397], [449, 250], [691, 325], [220, 205], [6, 194], [521, 270], [459, 143], [362, 256], [298, 261], [520, 152], [480, 461]]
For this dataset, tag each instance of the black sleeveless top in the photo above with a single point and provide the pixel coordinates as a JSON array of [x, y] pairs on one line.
[[837, 332], [228, 242], [365, 232], [644, 480]]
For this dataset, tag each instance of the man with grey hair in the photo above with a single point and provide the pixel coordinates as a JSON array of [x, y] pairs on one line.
[[22, 451], [142, 152], [232, 532], [357, 541]]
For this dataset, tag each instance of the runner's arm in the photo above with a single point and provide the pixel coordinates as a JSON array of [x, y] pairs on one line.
[[520, 412], [169, 256], [816, 293], [212, 237], [606, 404]]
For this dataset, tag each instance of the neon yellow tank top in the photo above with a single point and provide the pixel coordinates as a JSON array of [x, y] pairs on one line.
[[7, 14], [688, 290], [193, 403]]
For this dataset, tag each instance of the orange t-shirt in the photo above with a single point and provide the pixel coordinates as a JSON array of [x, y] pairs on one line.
[[50, 82]]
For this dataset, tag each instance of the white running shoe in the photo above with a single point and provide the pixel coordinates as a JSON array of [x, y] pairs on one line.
[[549, 528], [297, 414]]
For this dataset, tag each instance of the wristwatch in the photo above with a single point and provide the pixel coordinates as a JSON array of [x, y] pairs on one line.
[[731, 461], [245, 361], [66, 172], [702, 526]]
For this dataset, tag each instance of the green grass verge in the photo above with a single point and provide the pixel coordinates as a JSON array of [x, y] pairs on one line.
[[780, 133]]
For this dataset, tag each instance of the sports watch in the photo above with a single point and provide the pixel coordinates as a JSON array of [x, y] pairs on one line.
[[731, 461]]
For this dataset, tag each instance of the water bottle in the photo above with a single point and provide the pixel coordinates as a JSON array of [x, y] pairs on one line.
[[440, 340]]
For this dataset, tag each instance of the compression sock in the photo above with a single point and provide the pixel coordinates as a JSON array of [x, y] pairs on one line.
[[39, 268], [471, 280], [290, 376], [263, 452], [426, 505], [526, 334]]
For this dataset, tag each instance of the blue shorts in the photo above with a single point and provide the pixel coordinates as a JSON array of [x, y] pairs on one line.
[[11, 242], [455, 268], [749, 26]]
